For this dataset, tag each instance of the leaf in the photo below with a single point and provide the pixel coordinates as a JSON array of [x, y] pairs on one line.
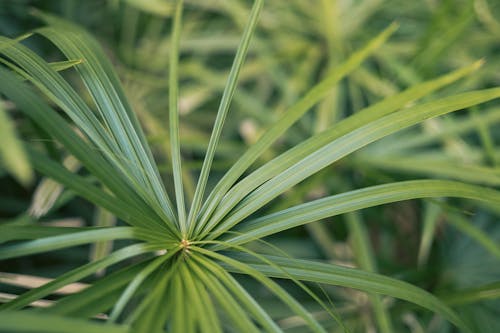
[[240, 293], [302, 150], [355, 200], [235, 312], [173, 105], [66, 240], [434, 166], [135, 284], [468, 228], [127, 211], [105, 88], [222, 112], [155, 308], [416, 141], [286, 121], [347, 144], [15, 232], [62, 65], [54, 124], [366, 261], [307, 270], [199, 299], [431, 217], [99, 250], [489, 291], [48, 191], [98, 296], [154, 7], [272, 286], [77, 274], [27, 321], [12, 154]]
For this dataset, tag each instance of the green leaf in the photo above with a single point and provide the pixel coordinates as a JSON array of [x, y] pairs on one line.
[[363, 252], [135, 284], [173, 104], [489, 291], [416, 141], [293, 304], [434, 166], [62, 65], [156, 307], [12, 154], [240, 293], [54, 124], [199, 299], [99, 250], [27, 321], [33, 68], [431, 217], [307, 270], [467, 227], [49, 191], [294, 155], [154, 7], [236, 313], [77, 274], [14, 232], [66, 240], [128, 212], [355, 200], [347, 144], [287, 120], [222, 112], [98, 296], [104, 86]]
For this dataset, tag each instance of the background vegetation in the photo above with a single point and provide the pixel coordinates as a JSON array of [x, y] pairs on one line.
[[328, 97]]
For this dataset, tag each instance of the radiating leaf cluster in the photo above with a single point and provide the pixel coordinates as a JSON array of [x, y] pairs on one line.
[[177, 265]]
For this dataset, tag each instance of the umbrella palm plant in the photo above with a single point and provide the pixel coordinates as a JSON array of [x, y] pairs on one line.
[[185, 260]]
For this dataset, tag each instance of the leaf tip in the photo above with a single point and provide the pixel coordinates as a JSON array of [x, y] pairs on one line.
[[479, 63]]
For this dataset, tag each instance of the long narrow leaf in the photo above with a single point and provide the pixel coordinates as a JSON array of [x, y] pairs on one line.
[[102, 83], [307, 147], [52, 123], [222, 112], [349, 143], [23, 232], [200, 301], [238, 316], [77, 274], [246, 299], [63, 241], [306, 270], [287, 120], [363, 253], [12, 153], [173, 103], [271, 285], [128, 212], [135, 284], [83, 304], [34, 322], [358, 199]]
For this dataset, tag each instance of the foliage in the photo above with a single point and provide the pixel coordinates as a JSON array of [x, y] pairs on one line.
[[319, 117]]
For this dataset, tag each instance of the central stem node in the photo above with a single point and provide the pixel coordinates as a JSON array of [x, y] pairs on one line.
[[184, 244]]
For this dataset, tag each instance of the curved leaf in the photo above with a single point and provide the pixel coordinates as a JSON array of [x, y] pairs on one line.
[[26, 321], [307, 270], [347, 144], [355, 200]]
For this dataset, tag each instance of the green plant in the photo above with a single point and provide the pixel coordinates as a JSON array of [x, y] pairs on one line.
[[183, 268]]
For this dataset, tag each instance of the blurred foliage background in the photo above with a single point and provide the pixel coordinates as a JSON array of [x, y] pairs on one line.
[[435, 244]]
